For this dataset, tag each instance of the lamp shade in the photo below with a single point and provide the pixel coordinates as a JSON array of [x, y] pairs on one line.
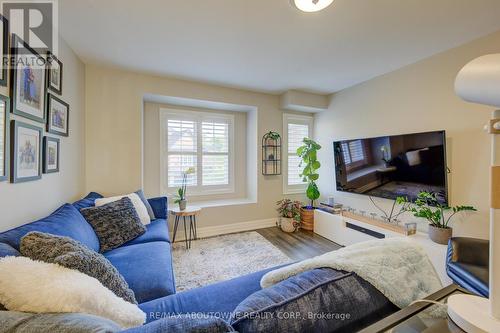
[[479, 81]]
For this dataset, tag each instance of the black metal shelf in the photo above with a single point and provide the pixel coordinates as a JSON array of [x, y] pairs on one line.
[[271, 154]]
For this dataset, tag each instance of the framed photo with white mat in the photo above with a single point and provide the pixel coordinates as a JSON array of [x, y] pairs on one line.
[[51, 150], [26, 152], [57, 116], [4, 137]]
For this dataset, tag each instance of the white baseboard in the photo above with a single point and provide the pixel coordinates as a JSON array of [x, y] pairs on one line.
[[218, 230]]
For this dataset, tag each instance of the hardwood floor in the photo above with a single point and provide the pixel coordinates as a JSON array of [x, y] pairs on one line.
[[299, 245]]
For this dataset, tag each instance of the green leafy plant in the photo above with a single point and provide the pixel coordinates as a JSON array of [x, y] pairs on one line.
[[308, 153], [181, 192], [427, 206], [273, 135], [289, 209]]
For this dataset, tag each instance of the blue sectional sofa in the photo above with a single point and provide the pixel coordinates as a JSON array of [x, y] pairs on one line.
[[146, 265]]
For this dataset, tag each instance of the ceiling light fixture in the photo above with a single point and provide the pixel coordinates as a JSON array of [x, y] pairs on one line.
[[311, 5]]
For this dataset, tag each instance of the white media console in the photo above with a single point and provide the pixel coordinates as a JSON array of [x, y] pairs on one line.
[[346, 231]]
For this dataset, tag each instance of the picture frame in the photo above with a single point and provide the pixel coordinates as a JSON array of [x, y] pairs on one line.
[[57, 116], [4, 137], [28, 85], [26, 152], [54, 73], [51, 154], [4, 49]]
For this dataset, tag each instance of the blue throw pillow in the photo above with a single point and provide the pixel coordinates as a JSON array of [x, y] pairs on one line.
[[88, 201], [8, 251], [65, 221], [192, 323], [320, 300]]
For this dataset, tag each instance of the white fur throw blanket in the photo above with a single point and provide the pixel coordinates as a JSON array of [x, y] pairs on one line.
[[398, 268]]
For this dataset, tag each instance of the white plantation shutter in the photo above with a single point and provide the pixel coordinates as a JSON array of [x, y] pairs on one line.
[[201, 141], [215, 143], [296, 129], [353, 151]]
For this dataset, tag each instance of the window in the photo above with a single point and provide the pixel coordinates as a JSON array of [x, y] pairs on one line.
[[295, 129], [354, 153], [199, 140]]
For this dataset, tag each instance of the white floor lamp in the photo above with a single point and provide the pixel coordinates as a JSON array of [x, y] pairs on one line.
[[479, 82]]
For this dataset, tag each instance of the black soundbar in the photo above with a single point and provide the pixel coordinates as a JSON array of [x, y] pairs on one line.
[[364, 230]]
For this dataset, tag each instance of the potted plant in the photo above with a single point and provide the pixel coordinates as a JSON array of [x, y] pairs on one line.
[[181, 193], [427, 206], [289, 219], [308, 153]]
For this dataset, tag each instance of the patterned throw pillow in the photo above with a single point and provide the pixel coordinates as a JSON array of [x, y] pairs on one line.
[[74, 255], [114, 223]]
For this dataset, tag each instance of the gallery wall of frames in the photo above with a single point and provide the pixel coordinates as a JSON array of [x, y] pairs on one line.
[[30, 144]]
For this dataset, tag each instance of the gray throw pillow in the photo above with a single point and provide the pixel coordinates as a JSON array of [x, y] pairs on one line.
[[145, 201], [72, 254], [114, 223], [20, 322]]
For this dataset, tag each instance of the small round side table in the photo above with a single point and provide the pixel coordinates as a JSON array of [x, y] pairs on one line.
[[189, 212]]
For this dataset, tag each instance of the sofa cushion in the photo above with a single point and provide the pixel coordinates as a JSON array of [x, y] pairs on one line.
[[88, 201], [6, 250], [65, 221], [20, 322], [114, 223], [147, 268], [321, 300], [71, 254], [156, 231], [219, 299], [185, 324]]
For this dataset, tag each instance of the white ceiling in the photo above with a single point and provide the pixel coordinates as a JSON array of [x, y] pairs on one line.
[[267, 45]]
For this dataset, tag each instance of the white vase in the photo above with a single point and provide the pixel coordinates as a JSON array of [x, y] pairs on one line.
[[287, 224]]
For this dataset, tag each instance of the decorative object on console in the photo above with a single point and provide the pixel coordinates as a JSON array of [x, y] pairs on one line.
[[181, 193], [478, 82], [4, 48], [378, 223], [72, 254], [54, 73], [271, 154], [114, 223], [427, 206], [392, 216], [139, 205], [310, 164], [28, 81], [51, 150], [26, 152], [289, 220], [4, 136], [34, 286], [58, 116]]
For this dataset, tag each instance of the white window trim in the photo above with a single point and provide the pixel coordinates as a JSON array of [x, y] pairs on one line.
[[201, 116], [298, 119]]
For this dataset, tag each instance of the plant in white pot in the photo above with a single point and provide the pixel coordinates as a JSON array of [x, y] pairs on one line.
[[289, 219], [439, 216], [181, 193], [308, 153]]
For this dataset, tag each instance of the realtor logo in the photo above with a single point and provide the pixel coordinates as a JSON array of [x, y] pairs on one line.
[[35, 22]]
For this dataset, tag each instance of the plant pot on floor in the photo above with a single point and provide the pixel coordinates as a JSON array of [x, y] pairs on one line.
[[182, 204], [440, 235], [287, 224], [307, 218]]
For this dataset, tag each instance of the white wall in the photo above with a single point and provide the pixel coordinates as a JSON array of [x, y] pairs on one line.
[[23, 202], [418, 98]]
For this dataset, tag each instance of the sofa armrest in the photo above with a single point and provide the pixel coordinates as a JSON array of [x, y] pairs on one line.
[[160, 207], [469, 251]]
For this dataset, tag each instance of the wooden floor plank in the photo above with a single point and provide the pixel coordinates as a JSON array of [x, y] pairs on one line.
[[299, 245]]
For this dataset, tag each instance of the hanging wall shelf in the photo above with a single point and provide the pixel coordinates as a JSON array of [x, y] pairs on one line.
[[271, 154]]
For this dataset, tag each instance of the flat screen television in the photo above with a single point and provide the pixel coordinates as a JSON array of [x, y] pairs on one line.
[[392, 166]]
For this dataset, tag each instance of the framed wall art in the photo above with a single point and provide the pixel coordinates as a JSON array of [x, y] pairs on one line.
[[57, 116], [54, 74], [4, 49], [51, 150], [26, 152], [4, 137], [28, 81]]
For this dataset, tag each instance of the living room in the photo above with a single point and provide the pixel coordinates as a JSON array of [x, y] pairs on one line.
[[156, 144]]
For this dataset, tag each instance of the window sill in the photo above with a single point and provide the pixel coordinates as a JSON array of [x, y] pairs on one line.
[[223, 202]]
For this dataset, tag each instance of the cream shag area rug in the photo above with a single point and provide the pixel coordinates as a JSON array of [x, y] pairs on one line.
[[221, 258]]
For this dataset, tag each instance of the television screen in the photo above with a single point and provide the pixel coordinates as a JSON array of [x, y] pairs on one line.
[[392, 166]]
